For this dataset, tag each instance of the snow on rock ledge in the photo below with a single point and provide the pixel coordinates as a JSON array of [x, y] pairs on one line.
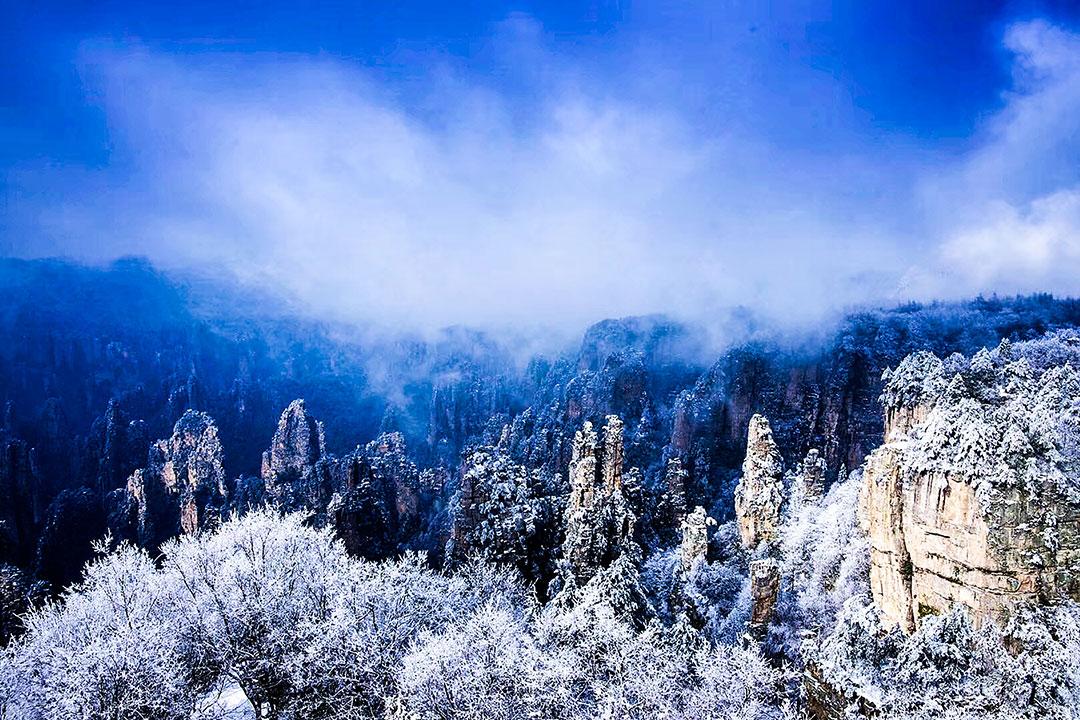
[[975, 497]]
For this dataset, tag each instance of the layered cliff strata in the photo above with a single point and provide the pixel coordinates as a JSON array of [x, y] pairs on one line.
[[974, 499]]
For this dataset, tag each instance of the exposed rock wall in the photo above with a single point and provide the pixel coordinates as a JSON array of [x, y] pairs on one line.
[[974, 500]]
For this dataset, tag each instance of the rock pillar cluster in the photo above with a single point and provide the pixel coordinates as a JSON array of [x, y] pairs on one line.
[[182, 489], [599, 521]]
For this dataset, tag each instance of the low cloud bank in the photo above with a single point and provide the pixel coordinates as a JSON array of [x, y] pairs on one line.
[[460, 203]]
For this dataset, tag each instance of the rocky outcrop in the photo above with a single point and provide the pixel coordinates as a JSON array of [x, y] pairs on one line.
[[114, 449], [759, 501], [295, 471], [182, 489], [760, 492], [974, 500], [764, 593], [668, 507], [695, 538], [809, 484], [599, 521], [379, 499], [496, 513], [21, 502], [74, 521]]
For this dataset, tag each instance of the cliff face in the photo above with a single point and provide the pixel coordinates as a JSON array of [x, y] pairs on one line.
[[974, 499]]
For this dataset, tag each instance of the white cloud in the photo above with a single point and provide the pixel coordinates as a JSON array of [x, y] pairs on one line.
[[1009, 213], [1020, 249], [307, 174], [452, 202]]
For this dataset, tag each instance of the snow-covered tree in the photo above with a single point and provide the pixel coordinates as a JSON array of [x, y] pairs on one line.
[[109, 649], [250, 596]]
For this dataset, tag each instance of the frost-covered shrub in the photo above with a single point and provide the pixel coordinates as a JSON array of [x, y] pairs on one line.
[[606, 667], [265, 604], [108, 650], [351, 662], [824, 560], [1041, 671], [251, 595], [18, 593], [948, 668], [483, 667], [1007, 418]]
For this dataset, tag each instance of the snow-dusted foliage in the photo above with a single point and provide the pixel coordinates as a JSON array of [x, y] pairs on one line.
[[1007, 418], [497, 508], [277, 610], [109, 648], [948, 668], [823, 560]]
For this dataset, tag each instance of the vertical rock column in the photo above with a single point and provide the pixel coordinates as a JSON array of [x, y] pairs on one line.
[[293, 469], [810, 482], [695, 538], [759, 497], [760, 492]]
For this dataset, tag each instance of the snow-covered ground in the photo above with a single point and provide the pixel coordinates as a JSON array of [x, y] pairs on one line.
[[228, 703]]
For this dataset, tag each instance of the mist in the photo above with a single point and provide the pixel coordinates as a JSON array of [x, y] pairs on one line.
[[605, 182]]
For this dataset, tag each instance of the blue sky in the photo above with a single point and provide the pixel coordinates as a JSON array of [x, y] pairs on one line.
[[492, 163]]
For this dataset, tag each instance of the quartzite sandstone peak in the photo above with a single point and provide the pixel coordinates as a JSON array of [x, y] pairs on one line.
[[760, 493], [182, 487], [974, 499], [293, 469], [599, 521]]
